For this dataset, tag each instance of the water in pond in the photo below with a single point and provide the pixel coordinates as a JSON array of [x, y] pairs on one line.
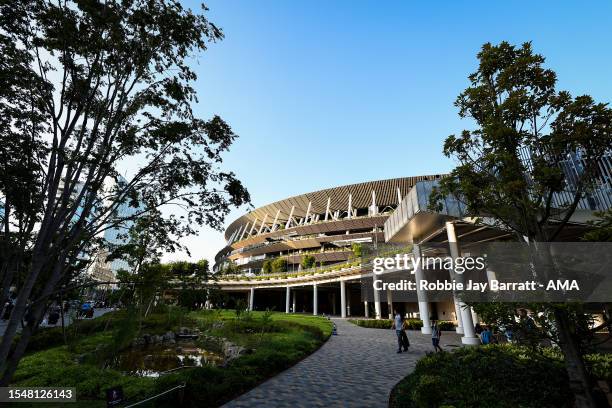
[[150, 361]]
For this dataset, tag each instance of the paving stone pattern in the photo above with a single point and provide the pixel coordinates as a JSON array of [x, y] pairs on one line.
[[356, 368]]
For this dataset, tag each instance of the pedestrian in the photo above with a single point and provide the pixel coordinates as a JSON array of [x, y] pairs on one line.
[[8, 308], [435, 336], [398, 325], [486, 337], [54, 316]]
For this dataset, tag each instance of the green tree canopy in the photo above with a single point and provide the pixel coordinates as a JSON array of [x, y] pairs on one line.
[[508, 168], [279, 265], [308, 261], [86, 86]]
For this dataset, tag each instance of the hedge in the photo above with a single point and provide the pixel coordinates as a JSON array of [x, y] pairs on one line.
[[489, 376], [413, 324]]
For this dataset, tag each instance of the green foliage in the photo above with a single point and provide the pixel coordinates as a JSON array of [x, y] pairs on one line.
[[119, 76], [509, 98], [357, 249], [602, 228], [52, 336], [267, 266], [56, 367], [491, 376], [599, 365], [373, 323], [290, 339], [446, 325], [126, 331], [279, 265], [540, 322], [308, 261], [411, 324], [508, 168], [241, 308], [276, 341]]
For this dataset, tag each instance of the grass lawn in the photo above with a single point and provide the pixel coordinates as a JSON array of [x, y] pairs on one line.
[[275, 341]]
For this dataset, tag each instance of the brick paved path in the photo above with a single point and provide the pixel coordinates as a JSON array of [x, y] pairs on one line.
[[356, 368]]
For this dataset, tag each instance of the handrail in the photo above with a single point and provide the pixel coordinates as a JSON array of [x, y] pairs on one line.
[[178, 387], [175, 369]]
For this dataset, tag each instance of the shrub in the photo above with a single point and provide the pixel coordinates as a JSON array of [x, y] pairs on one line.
[[489, 376], [267, 266], [373, 324], [279, 265], [308, 261], [412, 324], [446, 325], [600, 365]]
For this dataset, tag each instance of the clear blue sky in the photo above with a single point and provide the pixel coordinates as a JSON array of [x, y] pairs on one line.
[[325, 93]]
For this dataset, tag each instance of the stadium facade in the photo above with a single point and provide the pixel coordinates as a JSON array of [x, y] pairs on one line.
[[300, 254], [327, 228]]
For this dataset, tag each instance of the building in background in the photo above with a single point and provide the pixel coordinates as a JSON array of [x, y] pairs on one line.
[[101, 269]]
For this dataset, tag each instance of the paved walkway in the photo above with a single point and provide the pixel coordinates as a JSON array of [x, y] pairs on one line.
[[356, 368]]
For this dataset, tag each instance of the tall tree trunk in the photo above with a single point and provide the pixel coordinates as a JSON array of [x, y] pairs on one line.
[[580, 382], [11, 364], [8, 274], [37, 311]]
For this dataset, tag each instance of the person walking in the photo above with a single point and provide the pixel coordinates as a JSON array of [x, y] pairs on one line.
[[398, 325], [435, 336]]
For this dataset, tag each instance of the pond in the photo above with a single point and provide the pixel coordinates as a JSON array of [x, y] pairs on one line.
[[152, 360]]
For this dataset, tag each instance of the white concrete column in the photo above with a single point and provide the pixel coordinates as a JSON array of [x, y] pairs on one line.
[[251, 298], [377, 308], [491, 276], [367, 312], [421, 294], [469, 336], [287, 298], [348, 304], [342, 298], [459, 328], [475, 317], [390, 304], [294, 302], [315, 305]]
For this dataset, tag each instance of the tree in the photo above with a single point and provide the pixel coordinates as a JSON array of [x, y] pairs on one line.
[[308, 261], [267, 266], [508, 164], [279, 265], [229, 268], [87, 86], [191, 290]]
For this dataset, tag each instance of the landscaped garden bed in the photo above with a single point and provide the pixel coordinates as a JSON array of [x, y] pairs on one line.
[[491, 376], [225, 354]]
